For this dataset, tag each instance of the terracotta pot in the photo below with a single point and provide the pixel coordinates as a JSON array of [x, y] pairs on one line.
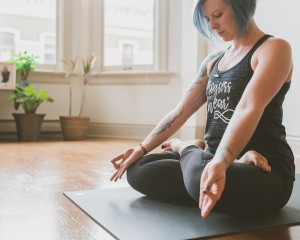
[[28, 126], [74, 128]]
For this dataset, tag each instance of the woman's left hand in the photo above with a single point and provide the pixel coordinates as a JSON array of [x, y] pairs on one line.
[[212, 184]]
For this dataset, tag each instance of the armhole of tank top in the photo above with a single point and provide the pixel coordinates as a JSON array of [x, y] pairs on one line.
[[255, 47], [215, 62]]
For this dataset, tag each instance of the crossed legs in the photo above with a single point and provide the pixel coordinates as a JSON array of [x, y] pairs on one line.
[[175, 176]]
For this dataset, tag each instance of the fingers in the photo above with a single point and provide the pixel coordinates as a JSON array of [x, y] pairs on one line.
[[121, 168], [115, 160], [202, 188], [118, 174], [165, 145], [114, 175], [212, 185], [206, 196], [167, 149], [117, 163], [209, 201], [122, 162]]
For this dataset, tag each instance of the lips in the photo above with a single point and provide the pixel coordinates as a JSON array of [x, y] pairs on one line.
[[220, 33]]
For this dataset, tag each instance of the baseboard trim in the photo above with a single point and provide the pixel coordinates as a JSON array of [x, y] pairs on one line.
[[9, 126], [108, 130], [124, 131], [130, 131], [138, 131]]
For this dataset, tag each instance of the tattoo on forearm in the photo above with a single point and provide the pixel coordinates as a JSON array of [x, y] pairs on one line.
[[223, 154], [167, 123]]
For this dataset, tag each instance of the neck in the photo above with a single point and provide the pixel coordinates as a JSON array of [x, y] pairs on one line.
[[251, 36]]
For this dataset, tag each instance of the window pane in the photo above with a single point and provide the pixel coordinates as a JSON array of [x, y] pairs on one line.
[[128, 32], [30, 22], [7, 46]]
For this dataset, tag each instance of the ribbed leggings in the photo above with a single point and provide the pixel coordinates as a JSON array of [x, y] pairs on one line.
[[249, 191]]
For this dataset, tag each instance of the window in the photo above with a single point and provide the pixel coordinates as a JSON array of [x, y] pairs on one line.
[[49, 49], [124, 34], [31, 18], [131, 32], [7, 45]]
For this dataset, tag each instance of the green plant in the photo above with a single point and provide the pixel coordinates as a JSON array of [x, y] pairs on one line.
[[88, 64], [29, 98], [25, 63]]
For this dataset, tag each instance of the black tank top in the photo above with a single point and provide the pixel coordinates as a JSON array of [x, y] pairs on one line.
[[224, 91]]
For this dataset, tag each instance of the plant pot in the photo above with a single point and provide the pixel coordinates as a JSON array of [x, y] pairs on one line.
[[74, 128], [28, 126]]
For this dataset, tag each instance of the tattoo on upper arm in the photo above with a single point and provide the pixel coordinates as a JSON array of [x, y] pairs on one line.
[[203, 69], [167, 123], [207, 60]]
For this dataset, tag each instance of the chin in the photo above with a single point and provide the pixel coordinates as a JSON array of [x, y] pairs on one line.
[[225, 39]]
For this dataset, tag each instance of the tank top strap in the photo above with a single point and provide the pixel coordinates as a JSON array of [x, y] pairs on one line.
[[257, 44]]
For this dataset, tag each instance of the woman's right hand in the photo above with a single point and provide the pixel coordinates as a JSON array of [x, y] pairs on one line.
[[124, 160]]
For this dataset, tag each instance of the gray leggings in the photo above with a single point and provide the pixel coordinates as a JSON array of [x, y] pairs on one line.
[[249, 191]]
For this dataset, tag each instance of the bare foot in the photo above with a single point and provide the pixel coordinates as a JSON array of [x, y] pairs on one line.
[[177, 145], [254, 158]]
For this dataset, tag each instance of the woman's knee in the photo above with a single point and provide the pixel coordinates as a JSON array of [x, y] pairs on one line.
[[193, 161]]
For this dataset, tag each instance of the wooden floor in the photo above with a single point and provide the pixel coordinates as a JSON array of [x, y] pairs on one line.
[[33, 177]]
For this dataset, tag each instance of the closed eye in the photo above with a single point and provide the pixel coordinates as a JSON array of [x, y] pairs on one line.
[[218, 15]]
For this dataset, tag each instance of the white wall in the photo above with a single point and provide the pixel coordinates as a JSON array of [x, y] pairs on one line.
[[281, 19]]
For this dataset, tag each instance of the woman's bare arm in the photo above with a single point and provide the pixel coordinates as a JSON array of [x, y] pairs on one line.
[[192, 100], [273, 66]]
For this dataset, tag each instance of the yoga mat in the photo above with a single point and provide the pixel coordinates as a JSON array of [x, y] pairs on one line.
[[127, 214]]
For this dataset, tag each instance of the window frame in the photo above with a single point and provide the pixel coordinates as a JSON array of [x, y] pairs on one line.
[[159, 42], [12, 31], [59, 39], [59, 26], [78, 34]]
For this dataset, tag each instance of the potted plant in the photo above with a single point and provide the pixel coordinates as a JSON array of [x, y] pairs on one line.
[[29, 123], [25, 63], [74, 127]]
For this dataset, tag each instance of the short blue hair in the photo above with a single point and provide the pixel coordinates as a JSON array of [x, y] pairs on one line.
[[243, 11]]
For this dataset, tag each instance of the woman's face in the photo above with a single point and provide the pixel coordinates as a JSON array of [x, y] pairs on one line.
[[220, 18]]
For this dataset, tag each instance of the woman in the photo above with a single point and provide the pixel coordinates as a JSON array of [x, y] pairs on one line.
[[244, 88]]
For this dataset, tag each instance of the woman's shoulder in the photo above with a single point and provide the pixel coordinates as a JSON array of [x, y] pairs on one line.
[[207, 63], [210, 60], [273, 49], [276, 44], [274, 53]]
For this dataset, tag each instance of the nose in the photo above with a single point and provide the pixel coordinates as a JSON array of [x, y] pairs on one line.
[[213, 24]]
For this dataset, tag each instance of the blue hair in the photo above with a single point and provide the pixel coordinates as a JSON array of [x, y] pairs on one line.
[[243, 11]]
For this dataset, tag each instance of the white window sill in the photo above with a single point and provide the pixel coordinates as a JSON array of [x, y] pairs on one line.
[[115, 77]]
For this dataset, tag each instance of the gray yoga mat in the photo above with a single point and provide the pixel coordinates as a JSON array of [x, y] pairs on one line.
[[127, 214]]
